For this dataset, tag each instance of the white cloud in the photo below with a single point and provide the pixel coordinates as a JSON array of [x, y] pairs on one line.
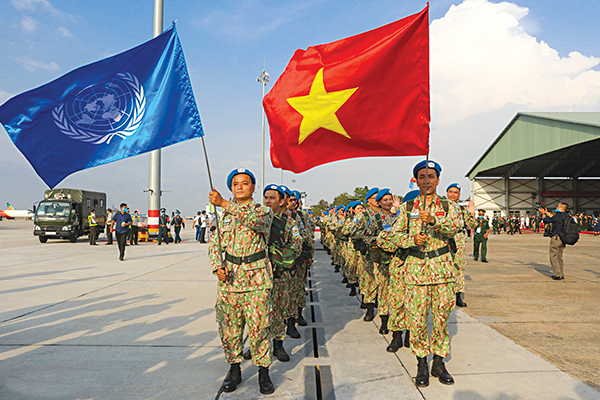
[[32, 65], [39, 5], [4, 96], [29, 24], [482, 59], [64, 32]]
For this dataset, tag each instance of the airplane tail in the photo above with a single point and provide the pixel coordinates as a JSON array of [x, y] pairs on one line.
[[9, 206]]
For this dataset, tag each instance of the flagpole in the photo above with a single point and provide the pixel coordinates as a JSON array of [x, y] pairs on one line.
[[263, 78], [210, 181], [425, 194], [154, 187]]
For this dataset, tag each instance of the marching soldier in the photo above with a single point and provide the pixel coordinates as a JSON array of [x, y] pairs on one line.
[[178, 222], [163, 226], [467, 216], [93, 223], [245, 279], [367, 228], [482, 229], [425, 226], [397, 321], [285, 245]]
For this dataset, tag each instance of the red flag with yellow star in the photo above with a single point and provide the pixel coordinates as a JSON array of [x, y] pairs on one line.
[[362, 96]]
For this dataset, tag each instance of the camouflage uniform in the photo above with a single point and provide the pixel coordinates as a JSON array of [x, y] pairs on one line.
[[246, 296], [301, 263], [366, 228], [382, 270], [461, 243], [429, 280], [283, 251]]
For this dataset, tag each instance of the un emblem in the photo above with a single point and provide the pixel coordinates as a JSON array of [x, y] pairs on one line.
[[99, 112]]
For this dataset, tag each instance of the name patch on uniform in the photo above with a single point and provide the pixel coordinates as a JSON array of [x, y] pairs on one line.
[[440, 214], [414, 215]]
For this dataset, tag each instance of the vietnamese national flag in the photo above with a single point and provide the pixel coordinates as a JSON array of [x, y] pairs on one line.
[[366, 95]]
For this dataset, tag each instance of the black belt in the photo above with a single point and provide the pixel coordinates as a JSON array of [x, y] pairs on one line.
[[246, 259], [429, 254]]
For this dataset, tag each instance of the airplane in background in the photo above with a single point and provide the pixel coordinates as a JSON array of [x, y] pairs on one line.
[[11, 213]]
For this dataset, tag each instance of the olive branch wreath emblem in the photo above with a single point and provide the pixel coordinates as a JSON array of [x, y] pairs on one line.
[[64, 125]]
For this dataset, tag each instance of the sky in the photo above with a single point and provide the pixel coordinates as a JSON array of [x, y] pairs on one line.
[[489, 60]]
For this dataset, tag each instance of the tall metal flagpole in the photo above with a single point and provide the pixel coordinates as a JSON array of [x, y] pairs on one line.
[[263, 78], [154, 191]]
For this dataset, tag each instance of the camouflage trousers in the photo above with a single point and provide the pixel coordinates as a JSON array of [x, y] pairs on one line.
[[298, 284], [353, 264], [441, 299], [234, 310], [460, 261], [397, 321], [283, 306], [368, 283], [382, 280]]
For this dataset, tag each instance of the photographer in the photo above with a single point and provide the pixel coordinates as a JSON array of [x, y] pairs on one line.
[[556, 245]]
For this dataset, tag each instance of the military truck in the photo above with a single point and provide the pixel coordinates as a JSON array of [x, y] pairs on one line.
[[63, 214]]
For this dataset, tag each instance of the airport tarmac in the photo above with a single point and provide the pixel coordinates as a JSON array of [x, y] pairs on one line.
[[76, 323]]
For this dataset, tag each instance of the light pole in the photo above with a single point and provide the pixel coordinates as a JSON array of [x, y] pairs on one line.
[[263, 78]]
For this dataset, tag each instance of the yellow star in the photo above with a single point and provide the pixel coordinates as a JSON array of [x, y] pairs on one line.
[[319, 107]]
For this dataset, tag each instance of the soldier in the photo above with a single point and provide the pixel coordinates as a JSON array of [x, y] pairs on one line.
[[178, 222], [482, 229], [245, 280], [355, 246], [425, 226], [366, 227], [385, 219], [93, 223], [467, 216], [285, 245], [496, 225], [163, 226], [397, 321]]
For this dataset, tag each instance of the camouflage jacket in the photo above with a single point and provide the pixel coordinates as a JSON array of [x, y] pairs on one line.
[[284, 247], [366, 226], [244, 231], [427, 271]]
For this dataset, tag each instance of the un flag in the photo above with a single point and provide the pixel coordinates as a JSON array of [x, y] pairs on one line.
[[119, 107]]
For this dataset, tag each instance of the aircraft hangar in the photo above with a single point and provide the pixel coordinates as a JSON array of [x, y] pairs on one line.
[[540, 157]]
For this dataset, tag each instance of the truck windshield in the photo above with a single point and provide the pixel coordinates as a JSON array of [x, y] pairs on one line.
[[54, 209]]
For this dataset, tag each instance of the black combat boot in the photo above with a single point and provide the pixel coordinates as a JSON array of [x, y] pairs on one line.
[[422, 378], [363, 305], [345, 280], [247, 355], [233, 378], [438, 370], [279, 352], [348, 285], [459, 300], [407, 339], [383, 329], [370, 314], [300, 320], [352, 291], [291, 330], [264, 381], [396, 342], [336, 269]]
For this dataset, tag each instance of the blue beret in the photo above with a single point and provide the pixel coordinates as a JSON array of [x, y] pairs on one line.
[[338, 207], [456, 185], [382, 193], [371, 192], [431, 164], [296, 194], [286, 190], [177, 212], [274, 187], [237, 172], [411, 195], [358, 203], [310, 212]]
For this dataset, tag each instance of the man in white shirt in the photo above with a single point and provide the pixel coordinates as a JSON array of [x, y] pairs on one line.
[[203, 223], [196, 225]]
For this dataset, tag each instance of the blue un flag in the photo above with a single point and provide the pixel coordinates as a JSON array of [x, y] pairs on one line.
[[119, 107]]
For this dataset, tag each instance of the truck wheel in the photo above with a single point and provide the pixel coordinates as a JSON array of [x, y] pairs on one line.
[[73, 238], [43, 239]]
